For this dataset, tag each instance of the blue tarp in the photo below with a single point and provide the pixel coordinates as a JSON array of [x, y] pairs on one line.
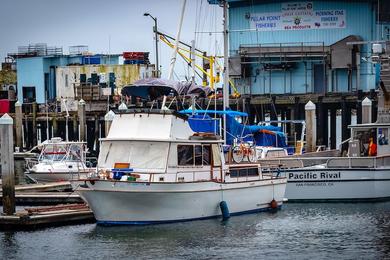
[[262, 135], [204, 124]]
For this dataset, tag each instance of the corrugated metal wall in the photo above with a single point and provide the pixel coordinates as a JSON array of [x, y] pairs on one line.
[[359, 15], [360, 21]]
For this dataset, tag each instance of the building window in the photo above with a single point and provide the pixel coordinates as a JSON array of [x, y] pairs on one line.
[[28, 94]]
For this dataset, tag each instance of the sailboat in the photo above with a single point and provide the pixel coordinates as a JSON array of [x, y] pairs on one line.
[[153, 168]]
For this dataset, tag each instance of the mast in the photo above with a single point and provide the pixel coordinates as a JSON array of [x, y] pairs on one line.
[[225, 66], [174, 54]]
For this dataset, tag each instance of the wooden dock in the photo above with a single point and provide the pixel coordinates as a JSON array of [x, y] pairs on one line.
[[43, 187], [45, 198], [33, 218]]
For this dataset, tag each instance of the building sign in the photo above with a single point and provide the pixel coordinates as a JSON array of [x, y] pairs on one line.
[[298, 16]]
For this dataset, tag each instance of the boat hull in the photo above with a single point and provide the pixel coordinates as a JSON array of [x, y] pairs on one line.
[[152, 203], [313, 184], [55, 176]]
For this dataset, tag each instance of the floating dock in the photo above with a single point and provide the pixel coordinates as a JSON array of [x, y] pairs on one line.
[[33, 218]]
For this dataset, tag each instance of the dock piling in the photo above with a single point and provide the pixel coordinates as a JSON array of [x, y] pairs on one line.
[[366, 110], [7, 164], [82, 122], [310, 118], [108, 120]]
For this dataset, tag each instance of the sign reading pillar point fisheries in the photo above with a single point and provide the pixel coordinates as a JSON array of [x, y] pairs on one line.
[[298, 16]]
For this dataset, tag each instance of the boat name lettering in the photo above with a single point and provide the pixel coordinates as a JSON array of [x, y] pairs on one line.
[[314, 176]]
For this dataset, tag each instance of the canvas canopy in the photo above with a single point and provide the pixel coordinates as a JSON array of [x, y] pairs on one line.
[[154, 88]]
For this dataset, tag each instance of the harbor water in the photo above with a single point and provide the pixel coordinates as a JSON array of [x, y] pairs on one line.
[[301, 231]]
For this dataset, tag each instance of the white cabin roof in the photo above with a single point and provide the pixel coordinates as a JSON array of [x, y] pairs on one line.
[[149, 126]]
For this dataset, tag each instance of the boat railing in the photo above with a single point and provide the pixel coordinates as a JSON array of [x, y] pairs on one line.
[[236, 174], [359, 162]]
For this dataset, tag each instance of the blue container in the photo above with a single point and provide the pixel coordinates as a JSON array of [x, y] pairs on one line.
[[117, 175]]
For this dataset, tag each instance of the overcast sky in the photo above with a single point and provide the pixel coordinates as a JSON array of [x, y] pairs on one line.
[[93, 22]]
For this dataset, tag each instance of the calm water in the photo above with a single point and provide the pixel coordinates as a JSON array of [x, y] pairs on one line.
[[302, 231]]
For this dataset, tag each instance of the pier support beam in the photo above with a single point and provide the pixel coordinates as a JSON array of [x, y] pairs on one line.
[[333, 130], [322, 123], [55, 126], [366, 111], [273, 112], [311, 135], [7, 164], [75, 129], [97, 130], [19, 125], [34, 124], [359, 107], [82, 121], [345, 121]]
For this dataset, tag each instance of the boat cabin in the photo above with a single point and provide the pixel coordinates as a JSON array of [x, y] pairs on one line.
[[365, 135], [160, 146]]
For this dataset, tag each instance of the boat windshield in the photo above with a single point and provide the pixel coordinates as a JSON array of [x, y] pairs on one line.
[[53, 152]]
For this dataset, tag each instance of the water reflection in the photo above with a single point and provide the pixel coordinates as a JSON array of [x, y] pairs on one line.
[[319, 231]]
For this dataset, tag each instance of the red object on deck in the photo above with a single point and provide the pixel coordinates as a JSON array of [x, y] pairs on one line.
[[4, 106]]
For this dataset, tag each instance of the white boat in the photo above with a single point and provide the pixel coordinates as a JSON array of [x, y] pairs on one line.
[[152, 168], [356, 177], [58, 161]]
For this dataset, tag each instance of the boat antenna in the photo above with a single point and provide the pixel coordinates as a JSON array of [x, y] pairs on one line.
[[174, 54]]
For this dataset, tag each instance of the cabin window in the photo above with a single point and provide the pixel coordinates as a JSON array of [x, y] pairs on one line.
[[206, 155], [193, 155], [185, 155], [216, 155], [245, 172]]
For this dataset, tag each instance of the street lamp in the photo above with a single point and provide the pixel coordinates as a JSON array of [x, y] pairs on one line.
[[155, 31]]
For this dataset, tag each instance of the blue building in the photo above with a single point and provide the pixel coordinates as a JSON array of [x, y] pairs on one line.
[[36, 70], [302, 47]]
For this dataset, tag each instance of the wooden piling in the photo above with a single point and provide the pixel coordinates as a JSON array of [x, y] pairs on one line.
[[366, 110], [7, 164], [18, 125], [310, 117], [82, 121]]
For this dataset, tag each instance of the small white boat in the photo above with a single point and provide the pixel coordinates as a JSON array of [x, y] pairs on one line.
[[58, 161], [152, 168]]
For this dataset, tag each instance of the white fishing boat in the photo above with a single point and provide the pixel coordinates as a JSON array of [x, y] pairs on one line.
[[58, 161], [364, 174], [152, 168]]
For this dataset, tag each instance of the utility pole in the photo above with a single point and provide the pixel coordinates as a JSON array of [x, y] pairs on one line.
[[156, 41], [225, 65]]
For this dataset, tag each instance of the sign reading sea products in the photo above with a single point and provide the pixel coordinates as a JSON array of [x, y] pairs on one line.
[[298, 16]]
